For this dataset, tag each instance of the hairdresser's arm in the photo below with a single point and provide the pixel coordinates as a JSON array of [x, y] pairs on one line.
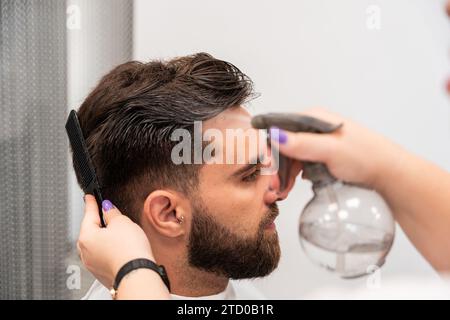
[[105, 250], [417, 191]]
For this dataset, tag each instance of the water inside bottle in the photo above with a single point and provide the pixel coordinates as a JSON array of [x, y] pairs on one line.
[[349, 249]]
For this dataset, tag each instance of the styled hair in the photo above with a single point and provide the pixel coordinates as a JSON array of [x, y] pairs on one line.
[[128, 119]]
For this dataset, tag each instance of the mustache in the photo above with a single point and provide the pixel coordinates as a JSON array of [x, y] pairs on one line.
[[272, 213]]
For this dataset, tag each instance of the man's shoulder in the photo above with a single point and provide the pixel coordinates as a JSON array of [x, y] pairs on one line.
[[243, 290]]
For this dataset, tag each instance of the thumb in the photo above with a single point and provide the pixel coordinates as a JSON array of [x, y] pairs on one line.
[[303, 146], [91, 217], [109, 211]]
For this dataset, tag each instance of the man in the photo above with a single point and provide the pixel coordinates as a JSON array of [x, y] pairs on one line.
[[428, 230], [207, 223]]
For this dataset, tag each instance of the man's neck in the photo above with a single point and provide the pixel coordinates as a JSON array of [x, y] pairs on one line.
[[191, 282], [188, 281]]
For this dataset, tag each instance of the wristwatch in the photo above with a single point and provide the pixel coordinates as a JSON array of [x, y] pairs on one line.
[[139, 264]]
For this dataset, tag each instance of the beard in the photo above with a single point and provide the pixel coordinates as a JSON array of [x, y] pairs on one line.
[[214, 248]]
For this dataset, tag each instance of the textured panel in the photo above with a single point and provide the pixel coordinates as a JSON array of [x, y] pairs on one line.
[[33, 188], [46, 66]]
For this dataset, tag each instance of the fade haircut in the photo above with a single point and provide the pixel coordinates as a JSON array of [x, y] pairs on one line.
[[128, 119]]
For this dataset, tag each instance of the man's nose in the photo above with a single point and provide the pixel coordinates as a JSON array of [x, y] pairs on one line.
[[275, 185], [274, 193]]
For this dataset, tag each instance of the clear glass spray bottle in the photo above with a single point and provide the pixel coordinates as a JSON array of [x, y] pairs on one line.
[[345, 228]]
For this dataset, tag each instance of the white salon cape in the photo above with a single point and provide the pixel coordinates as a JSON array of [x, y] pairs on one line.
[[235, 290], [406, 287]]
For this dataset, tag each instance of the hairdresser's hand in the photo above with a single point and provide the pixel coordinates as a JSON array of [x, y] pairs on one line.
[[353, 153], [105, 250], [416, 190]]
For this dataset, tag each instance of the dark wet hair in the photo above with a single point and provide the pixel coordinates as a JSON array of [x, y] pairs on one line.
[[129, 117]]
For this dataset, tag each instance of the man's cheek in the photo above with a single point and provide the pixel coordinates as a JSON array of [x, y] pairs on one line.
[[246, 224]]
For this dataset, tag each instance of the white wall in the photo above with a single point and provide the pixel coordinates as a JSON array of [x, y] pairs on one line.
[[98, 39], [319, 52]]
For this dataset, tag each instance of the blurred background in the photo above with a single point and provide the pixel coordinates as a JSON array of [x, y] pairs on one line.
[[383, 63]]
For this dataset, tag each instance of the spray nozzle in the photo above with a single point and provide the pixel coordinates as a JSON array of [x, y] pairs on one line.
[[315, 172], [293, 122]]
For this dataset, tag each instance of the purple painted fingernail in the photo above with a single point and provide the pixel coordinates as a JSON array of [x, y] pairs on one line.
[[107, 205], [278, 135]]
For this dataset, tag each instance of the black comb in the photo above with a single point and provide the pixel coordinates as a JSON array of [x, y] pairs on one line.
[[82, 161]]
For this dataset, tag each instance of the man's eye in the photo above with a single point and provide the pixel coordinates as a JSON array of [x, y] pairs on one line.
[[253, 176]]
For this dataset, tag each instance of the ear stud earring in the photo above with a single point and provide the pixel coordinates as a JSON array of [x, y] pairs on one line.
[[180, 220]]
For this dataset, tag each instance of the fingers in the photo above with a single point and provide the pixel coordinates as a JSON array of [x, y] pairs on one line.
[[109, 211], [91, 214], [303, 146]]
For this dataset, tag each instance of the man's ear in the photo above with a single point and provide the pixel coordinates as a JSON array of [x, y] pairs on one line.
[[167, 212]]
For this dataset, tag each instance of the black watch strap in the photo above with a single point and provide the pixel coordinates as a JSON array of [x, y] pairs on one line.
[[141, 264]]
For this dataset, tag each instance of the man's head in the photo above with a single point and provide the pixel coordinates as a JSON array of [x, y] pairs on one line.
[[226, 209]]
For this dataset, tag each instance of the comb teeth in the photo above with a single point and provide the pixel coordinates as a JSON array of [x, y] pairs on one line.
[[80, 154]]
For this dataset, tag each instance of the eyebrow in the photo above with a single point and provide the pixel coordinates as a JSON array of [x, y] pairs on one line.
[[255, 162]]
